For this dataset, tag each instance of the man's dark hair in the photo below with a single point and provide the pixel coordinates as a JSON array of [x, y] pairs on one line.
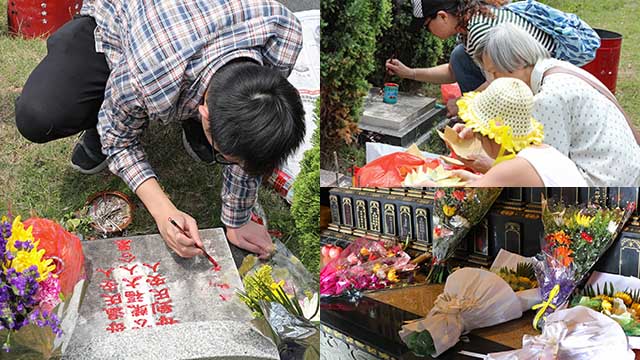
[[255, 115]]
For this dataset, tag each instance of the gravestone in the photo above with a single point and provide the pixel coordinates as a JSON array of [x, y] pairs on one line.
[[145, 302], [406, 122]]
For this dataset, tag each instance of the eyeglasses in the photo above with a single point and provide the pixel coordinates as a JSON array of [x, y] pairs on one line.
[[220, 159]]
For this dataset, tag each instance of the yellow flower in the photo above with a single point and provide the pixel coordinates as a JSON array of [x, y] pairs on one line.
[[449, 210], [604, 298], [276, 285], [364, 251], [392, 276], [584, 220], [376, 267], [624, 297], [636, 307], [25, 259], [606, 306], [18, 232]]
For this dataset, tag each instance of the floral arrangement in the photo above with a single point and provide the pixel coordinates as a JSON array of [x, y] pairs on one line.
[[29, 288], [575, 238], [456, 211], [363, 265], [522, 278], [621, 306]]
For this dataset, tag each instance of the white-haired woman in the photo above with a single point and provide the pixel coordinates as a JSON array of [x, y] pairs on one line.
[[581, 118]]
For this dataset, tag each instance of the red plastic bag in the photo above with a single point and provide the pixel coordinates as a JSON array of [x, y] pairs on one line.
[[61, 246], [387, 171], [450, 91]]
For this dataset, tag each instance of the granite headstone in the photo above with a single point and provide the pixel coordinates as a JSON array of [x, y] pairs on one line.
[[145, 302]]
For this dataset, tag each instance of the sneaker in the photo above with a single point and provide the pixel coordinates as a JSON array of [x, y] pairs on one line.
[[87, 156], [195, 142]]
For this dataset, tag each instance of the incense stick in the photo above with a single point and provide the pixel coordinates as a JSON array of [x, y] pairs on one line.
[[174, 223]]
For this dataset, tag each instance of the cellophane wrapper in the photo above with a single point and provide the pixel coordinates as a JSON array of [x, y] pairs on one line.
[[363, 265], [456, 211]]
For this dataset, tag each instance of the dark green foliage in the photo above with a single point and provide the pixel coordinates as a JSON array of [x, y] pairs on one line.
[[414, 49], [349, 33], [306, 205]]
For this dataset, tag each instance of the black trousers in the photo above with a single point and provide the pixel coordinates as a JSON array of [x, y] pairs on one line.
[[65, 91]]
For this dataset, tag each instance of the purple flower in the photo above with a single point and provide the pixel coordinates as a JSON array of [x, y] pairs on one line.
[[25, 245]]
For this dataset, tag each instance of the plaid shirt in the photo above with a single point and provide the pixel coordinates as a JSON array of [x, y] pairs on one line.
[[162, 55]]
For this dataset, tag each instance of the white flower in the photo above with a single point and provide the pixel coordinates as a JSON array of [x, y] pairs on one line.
[[612, 227], [458, 221], [310, 308]]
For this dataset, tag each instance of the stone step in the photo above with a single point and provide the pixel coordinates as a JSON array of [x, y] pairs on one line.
[[395, 116]]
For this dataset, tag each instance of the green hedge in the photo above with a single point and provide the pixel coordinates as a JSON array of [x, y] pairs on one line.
[[415, 49], [349, 33], [305, 208]]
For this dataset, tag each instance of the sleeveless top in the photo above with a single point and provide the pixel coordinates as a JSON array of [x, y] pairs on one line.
[[553, 167]]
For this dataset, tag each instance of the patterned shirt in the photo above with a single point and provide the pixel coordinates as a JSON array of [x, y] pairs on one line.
[[479, 27], [585, 125], [162, 55]]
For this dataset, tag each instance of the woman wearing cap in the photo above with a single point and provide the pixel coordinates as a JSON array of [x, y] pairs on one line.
[[472, 20], [501, 116], [581, 117]]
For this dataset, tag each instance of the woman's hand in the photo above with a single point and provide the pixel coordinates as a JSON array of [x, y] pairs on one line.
[[396, 67]]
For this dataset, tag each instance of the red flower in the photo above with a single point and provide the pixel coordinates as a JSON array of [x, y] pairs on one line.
[[586, 237], [458, 194], [439, 194], [437, 231]]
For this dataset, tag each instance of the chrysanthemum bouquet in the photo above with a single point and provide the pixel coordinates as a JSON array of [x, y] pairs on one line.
[[575, 238], [41, 287], [456, 211], [29, 289]]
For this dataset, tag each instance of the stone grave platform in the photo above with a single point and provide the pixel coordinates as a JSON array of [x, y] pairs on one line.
[[404, 123], [145, 302]]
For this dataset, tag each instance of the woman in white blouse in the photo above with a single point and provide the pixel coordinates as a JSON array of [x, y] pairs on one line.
[[580, 119]]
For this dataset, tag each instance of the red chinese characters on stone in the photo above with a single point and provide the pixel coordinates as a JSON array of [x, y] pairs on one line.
[[138, 310], [162, 307], [107, 273], [156, 280], [112, 299], [166, 320], [133, 296], [115, 327], [109, 285], [127, 257], [153, 267], [161, 294], [130, 270], [141, 323], [132, 283], [114, 313], [123, 244]]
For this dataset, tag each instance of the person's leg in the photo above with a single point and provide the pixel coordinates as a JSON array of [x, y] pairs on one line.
[[65, 91], [468, 75]]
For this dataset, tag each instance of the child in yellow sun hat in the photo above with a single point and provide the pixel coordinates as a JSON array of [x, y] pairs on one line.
[[501, 116]]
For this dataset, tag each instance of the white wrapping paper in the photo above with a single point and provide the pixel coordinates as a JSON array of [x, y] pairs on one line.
[[472, 298], [621, 283], [528, 297], [573, 334]]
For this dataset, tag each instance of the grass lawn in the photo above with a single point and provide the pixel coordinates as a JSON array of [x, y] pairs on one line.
[[36, 178]]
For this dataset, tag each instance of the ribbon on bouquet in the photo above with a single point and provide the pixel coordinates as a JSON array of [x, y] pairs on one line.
[[547, 344], [543, 306], [449, 305]]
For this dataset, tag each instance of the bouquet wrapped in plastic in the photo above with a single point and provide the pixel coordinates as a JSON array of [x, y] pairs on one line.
[[573, 334], [575, 238], [472, 298], [40, 289], [284, 299], [456, 211], [365, 264]]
